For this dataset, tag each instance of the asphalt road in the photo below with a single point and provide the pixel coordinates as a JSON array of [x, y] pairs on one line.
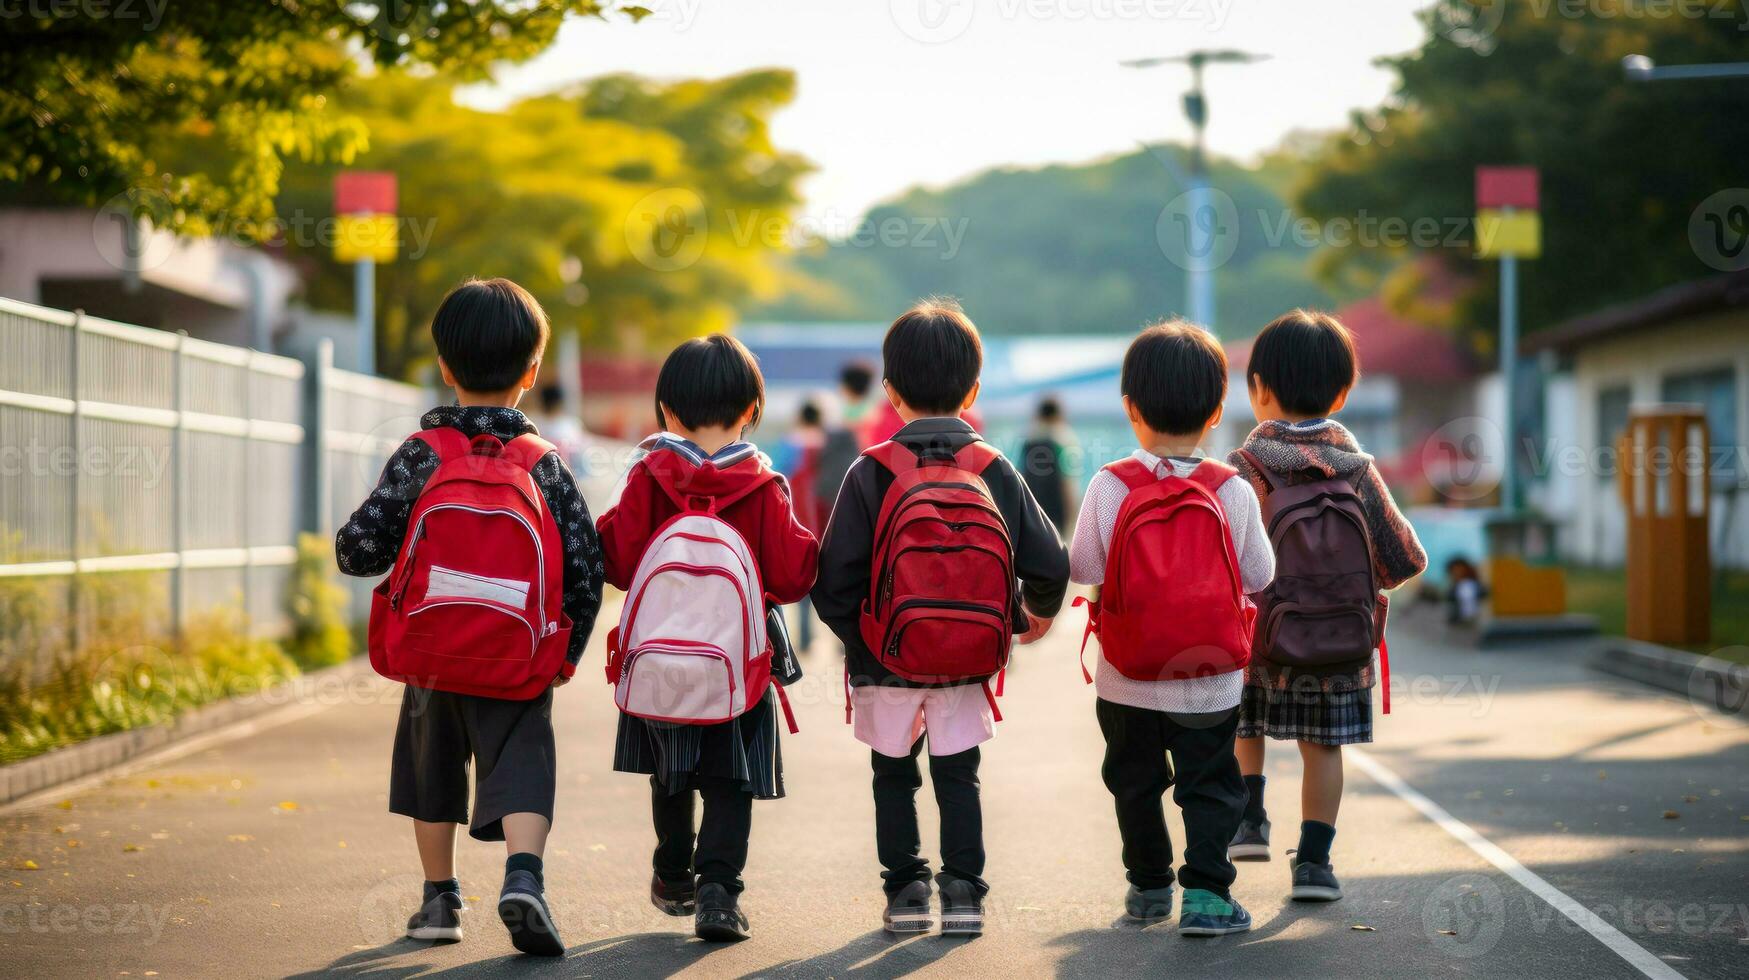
[[272, 854]]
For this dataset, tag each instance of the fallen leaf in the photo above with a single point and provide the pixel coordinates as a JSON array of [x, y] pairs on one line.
[[240, 838], [65, 804], [598, 847], [288, 805], [130, 848], [27, 865], [1671, 815], [72, 843], [342, 843], [1690, 798], [1362, 929], [1602, 774]]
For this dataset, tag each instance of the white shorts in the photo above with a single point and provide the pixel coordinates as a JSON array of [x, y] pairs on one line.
[[890, 719]]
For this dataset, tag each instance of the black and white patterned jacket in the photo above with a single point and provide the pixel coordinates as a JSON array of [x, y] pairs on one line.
[[370, 541]]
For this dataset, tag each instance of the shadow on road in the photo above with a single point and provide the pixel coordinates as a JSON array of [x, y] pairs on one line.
[[654, 954], [875, 955]]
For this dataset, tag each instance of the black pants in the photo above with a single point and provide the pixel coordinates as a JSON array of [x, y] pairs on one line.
[[1206, 786], [897, 838], [509, 742], [721, 842]]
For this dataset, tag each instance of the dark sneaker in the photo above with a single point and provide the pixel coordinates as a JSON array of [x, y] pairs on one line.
[[439, 918], [1251, 843], [674, 898], [1315, 882], [1208, 914], [719, 918], [1148, 904], [523, 908], [908, 910], [962, 908]]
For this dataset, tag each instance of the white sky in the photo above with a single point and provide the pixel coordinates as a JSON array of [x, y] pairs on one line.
[[900, 92]]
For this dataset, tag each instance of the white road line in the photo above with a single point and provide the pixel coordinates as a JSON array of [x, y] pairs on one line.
[[1636, 955]]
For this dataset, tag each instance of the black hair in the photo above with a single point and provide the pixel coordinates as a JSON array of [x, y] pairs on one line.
[[857, 377], [552, 398], [932, 356], [1049, 409], [1306, 359], [489, 332], [710, 381], [810, 414], [1175, 374]]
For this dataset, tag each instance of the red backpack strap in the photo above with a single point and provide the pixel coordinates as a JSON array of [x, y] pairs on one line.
[[446, 442], [1210, 474], [527, 450], [975, 457], [1134, 473], [895, 456]]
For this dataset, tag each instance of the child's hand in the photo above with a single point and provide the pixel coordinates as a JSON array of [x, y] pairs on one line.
[[1036, 629], [561, 681]]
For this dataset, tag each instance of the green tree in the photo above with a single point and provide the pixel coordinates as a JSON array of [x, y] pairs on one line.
[[99, 100], [637, 212], [1624, 166]]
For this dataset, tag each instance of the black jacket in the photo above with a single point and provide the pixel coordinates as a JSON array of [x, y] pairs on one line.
[[847, 551], [370, 541]]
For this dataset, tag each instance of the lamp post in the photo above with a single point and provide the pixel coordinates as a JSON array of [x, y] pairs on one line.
[[1639, 68], [1199, 278]]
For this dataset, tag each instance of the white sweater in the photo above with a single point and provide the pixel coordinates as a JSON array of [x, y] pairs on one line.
[[1087, 556]]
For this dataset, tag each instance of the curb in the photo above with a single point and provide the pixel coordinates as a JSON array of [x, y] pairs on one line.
[[1506, 631], [1705, 681], [105, 752]]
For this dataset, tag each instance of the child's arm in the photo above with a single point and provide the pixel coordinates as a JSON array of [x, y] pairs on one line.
[[370, 540], [1397, 552], [1087, 549], [1250, 538], [583, 562], [627, 527], [846, 553], [789, 557], [1040, 560]]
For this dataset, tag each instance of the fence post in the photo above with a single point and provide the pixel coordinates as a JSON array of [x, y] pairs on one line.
[[178, 485], [248, 535], [317, 509], [74, 632]]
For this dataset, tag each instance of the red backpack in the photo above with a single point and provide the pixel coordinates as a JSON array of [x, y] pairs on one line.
[[1173, 605], [942, 592], [473, 603]]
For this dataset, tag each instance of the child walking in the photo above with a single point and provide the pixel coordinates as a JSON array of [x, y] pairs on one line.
[[936, 596], [489, 336], [709, 392], [1173, 626], [1313, 685]]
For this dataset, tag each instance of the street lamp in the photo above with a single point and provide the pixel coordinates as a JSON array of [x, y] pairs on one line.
[[1639, 68], [1199, 279]]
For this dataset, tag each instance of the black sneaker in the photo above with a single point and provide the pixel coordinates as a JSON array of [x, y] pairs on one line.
[[962, 908], [719, 918], [523, 908], [440, 918], [1148, 904], [1315, 882], [908, 910], [674, 898], [1251, 843]]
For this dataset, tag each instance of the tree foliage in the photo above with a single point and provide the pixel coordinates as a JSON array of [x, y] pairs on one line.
[[97, 98], [637, 212], [1059, 249], [1624, 165]]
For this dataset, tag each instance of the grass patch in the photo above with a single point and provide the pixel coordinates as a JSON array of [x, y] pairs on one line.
[[1602, 592], [127, 673]]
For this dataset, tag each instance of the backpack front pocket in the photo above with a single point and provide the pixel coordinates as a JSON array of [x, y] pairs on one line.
[[931, 642], [1300, 635], [677, 681]]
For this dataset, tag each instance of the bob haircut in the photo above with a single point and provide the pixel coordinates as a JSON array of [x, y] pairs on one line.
[[710, 381], [1175, 373], [932, 356], [1306, 359], [489, 332]]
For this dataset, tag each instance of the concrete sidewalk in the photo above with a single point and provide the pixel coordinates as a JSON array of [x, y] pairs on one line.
[[274, 854]]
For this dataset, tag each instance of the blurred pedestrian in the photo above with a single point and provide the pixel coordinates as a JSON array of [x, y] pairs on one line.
[[561, 428], [1047, 463], [855, 381], [799, 458]]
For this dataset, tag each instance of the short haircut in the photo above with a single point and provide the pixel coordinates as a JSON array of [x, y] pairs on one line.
[[857, 377], [1306, 359], [810, 414], [1049, 409], [932, 356], [489, 332], [1175, 374], [710, 381], [552, 398]]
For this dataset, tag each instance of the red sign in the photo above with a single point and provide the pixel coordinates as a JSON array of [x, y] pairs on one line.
[[364, 192], [1507, 187]]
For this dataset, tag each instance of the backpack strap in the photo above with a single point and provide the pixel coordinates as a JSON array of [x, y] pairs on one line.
[[1211, 474], [446, 442], [974, 457], [1134, 473], [527, 450], [896, 457], [1271, 479]]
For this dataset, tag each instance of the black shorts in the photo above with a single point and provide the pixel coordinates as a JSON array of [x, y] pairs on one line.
[[510, 742]]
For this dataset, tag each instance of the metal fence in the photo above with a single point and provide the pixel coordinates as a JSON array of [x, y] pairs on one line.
[[181, 466]]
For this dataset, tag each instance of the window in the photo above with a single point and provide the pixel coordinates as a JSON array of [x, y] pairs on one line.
[[1612, 421], [1716, 392]]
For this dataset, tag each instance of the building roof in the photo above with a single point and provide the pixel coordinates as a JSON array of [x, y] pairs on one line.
[[1390, 346], [1655, 309]]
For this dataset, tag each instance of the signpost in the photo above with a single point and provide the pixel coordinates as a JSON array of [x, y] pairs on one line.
[[1508, 228], [364, 201]]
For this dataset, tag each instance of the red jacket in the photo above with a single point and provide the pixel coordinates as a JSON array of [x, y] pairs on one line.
[[787, 554]]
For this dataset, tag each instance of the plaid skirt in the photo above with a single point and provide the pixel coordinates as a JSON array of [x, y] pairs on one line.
[[1306, 713], [744, 750]]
